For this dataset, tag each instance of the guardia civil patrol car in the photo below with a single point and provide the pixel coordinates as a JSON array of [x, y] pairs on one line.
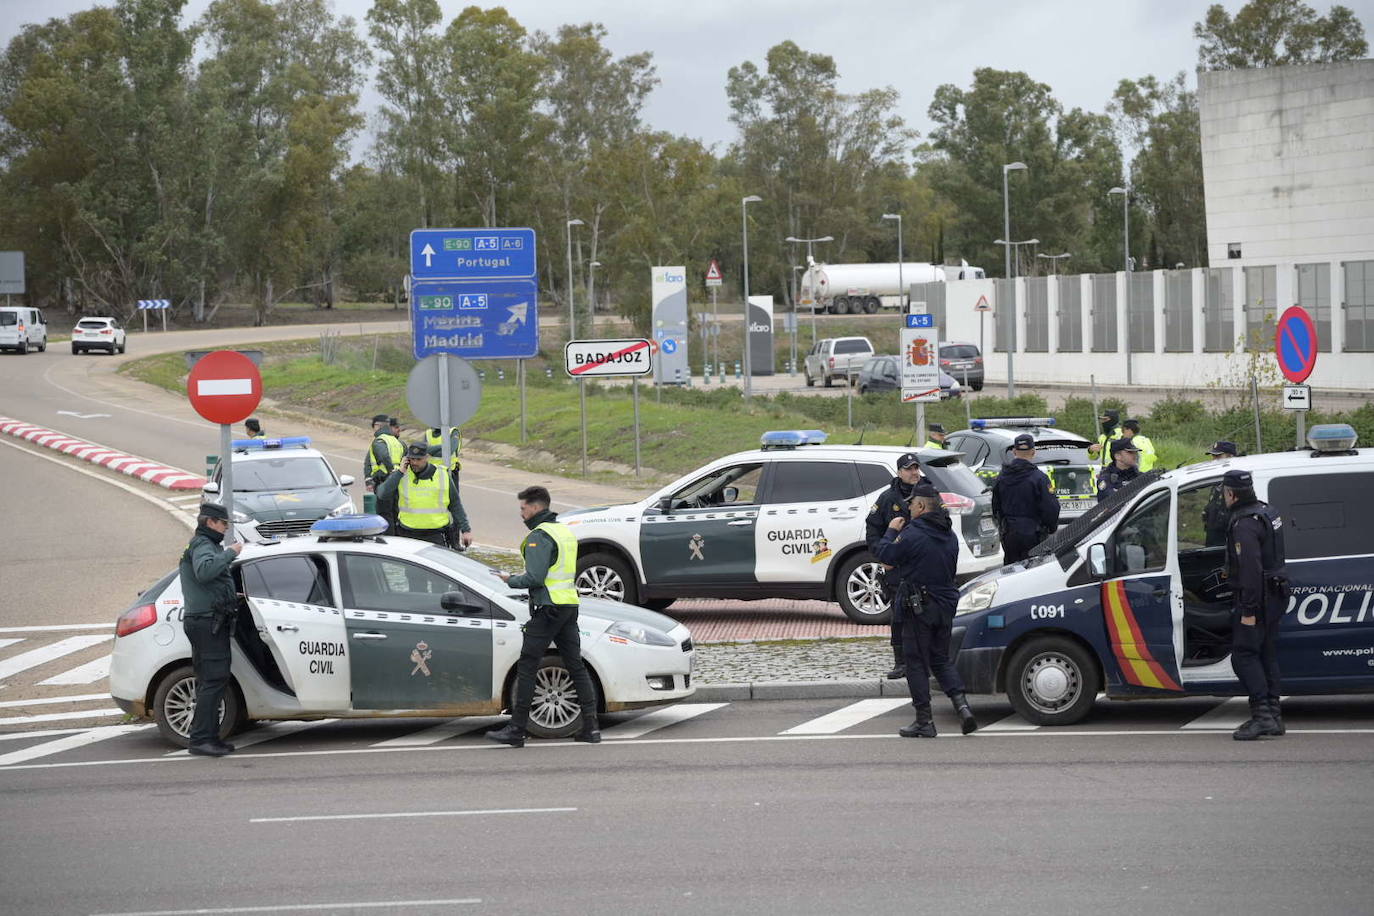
[[1130, 601], [1062, 455], [782, 521], [283, 485], [344, 623]]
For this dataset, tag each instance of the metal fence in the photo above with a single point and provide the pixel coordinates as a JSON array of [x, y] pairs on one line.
[[1359, 306], [1037, 315], [1104, 313], [1178, 311], [1070, 315], [1313, 283], [1261, 307], [1140, 311], [1218, 311], [1005, 313]]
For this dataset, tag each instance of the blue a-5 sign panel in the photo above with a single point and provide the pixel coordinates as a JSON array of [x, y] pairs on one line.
[[493, 319], [472, 254]]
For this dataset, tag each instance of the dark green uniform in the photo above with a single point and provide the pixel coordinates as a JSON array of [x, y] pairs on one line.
[[209, 603]]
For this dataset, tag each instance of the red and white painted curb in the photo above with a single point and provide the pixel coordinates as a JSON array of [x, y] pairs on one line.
[[152, 471]]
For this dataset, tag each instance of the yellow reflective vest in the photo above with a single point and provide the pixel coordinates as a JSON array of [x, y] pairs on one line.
[[561, 578], [422, 505]]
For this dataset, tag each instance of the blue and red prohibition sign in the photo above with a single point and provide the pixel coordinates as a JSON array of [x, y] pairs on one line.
[[1295, 344]]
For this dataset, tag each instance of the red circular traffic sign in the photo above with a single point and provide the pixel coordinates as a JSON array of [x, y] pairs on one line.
[[1295, 344], [224, 387]]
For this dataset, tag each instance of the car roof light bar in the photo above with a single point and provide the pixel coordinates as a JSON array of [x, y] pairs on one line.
[[1004, 422], [1332, 437], [350, 526], [281, 442], [792, 438]]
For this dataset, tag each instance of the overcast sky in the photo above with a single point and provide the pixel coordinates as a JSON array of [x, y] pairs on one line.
[[1081, 48]]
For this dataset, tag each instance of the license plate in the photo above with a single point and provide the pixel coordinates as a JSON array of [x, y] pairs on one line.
[[1077, 504]]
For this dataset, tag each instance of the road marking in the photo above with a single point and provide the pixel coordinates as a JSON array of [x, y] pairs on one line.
[[59, 716], [369, 817], [1012, 723], [10, 642], [1226, 714], [299, 907], [840, 719], [56, 627], [88, 673], [35, 657], [45, 733], [71, 742], [442, 732], [658, 718], [50, 701], [186, 499], [265, 733]]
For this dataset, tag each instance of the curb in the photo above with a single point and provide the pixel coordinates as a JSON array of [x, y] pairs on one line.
[[169, 478], [800, 690]]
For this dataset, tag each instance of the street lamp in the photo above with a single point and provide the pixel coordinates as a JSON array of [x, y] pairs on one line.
[[901, 286], [810, 261], [1006, 231], [1054, 258], [572, 314], [591, 297], [744, 222]]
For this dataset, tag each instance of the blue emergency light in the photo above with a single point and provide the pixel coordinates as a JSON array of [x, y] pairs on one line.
[[1332, 437], [281, 442], [349, 526], [1005, 422], [791, 438]]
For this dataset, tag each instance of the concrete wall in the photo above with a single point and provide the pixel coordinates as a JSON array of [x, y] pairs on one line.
[[1288, 162]]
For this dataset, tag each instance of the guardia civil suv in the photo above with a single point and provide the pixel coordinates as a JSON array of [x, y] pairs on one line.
[[782, 521], [283, 485]]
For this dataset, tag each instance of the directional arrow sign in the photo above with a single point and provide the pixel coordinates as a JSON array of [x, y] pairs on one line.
[[492, 319], [1297, 397], [472, 254], [586, 358]]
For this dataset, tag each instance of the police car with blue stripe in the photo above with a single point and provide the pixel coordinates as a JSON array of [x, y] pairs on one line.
[[1130, 601]]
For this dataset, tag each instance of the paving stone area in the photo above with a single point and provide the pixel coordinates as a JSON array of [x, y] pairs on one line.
[[798, 660], [712, 620]]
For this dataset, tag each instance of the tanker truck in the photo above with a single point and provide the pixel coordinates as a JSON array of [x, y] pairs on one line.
[[843, 289]]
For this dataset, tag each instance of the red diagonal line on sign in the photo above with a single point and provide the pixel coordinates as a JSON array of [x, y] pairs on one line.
[[1293, 341], [921, 394], [637, 345]]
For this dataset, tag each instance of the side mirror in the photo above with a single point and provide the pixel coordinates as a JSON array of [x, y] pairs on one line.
[[210, 487], [346, 480], [1097, 560], [665, 504], [453, 603], [729, 494]]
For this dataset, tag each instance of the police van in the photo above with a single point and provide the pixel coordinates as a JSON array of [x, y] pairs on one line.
[[782, 521], [1130, 600]]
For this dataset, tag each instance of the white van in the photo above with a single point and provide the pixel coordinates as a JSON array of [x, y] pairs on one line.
[[22, 328]]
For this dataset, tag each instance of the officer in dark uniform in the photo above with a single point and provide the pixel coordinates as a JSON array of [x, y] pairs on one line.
[[925, 553], [1216, 517], [1123, 469], [384, 454], [892, 503], [1023, 502], [1255, 567], [209, 602]]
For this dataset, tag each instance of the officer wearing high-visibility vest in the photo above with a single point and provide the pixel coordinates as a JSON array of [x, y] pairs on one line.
[[253, 428], [1111, 429], [427, 503], [1131, 430], [550, 554], [937, 437], [434, 441], [384, 454]]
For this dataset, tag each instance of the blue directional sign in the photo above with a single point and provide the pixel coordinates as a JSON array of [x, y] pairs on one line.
[[479, 319], [920, 321], [472, 254]]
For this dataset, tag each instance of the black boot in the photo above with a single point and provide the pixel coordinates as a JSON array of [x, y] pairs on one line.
[[1276, 714], [590, 733], [1260, 723], [898, 665], [923, 727], [966, 720], [512, 734], [209, 749]]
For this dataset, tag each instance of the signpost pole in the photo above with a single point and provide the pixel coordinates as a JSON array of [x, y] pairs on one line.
[[520, 372], [145, 320], [444, 412], [226, 480], [164, 318], [634, 388], [920, 423], [1254, 393], [1302, 428], [715, 325], [582, 398]]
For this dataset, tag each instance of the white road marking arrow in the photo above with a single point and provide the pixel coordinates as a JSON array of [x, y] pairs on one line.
[[520, 312], [428, 252], [81, 416]]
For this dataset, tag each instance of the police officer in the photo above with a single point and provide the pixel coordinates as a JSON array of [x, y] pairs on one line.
[[209, 602], [1121, 471], [1255, 567], [434, 441], [892, 503], [1023, 502], [937, 436], [384, 454], [550, 554], [253, 428], [1130, 429], [925, 552], [1216, 517], [1110, 425], [427, 503]]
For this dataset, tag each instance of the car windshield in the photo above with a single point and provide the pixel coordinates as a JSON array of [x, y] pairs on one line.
[[282, 474], [853, 346]]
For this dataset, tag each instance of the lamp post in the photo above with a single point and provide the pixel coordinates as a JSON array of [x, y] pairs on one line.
[[591, 297], [1006, 232], [744, 222], [796, 294], [1054, 260], [1011, 379], [1126, 265], [810, 262], [901, 284], [572, 313]]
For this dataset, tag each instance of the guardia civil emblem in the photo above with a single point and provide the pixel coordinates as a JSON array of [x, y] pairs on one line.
[[694, 547], [420, 655]]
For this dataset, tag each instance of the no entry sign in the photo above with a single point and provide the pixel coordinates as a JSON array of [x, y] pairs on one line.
[[224, 387], [1295, 344]]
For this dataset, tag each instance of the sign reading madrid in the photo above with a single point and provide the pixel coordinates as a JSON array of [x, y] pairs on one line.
[[585, 358], [475, 293]]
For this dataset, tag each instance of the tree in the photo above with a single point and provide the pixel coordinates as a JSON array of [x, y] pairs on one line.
[[1270, 33]]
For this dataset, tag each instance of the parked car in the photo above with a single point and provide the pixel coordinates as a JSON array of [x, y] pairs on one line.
[[23, 329], [964, 361], [99, 334], [882, 373], [836, 357]]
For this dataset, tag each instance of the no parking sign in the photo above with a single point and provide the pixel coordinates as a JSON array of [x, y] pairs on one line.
[[1295, 344]]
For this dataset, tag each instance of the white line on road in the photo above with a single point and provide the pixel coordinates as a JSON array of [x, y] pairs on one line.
[[71, 742], [300, 907], [659, 718], [60, 716], [1012, 723], [35, 657], [370, 817], [88, 673], [837, 721], [51, 701], [442, 732], [1226, 714], [195, 497], [266, 733], [10, 642], [57, 627], [45, 733]]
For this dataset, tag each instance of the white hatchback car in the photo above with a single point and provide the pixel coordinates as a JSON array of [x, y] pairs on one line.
[[99, 334], [346, 624]]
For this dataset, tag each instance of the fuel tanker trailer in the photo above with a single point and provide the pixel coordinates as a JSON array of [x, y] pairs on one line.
[[843, 289]]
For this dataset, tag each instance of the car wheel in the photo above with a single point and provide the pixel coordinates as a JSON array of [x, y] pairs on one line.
[[174, 705], [44, 348], [76, 351], [1052, 681], [977, 386], [810, 382], [556, 711], [828, 380], [23, 347], [859, 590], [123, 345], [602, 575]]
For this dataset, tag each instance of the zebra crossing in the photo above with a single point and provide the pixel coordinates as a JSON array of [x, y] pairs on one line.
[[56, 673]]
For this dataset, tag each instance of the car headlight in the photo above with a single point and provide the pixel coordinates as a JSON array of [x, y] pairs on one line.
[[345, 509], [636, 632], [977, 598], [242, 518]]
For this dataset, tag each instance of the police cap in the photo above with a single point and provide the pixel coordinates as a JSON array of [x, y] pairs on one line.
[[393, 421], [214, 510], [417, 450], [937, 428], [1238, 480], [1123, 445], [1023, 443], [925, 489], [907, 460], [1110, 413], [379, 418], [1222, 447]]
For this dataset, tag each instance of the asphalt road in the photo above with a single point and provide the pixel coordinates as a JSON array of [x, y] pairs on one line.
[[723, 814]]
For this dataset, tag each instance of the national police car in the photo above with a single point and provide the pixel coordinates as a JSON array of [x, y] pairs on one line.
[[282, 484], [347, 624], [1062, 455], [783, 521], [1129, 600]]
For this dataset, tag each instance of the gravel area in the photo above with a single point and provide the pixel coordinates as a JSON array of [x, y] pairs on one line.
[[809, 660]]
